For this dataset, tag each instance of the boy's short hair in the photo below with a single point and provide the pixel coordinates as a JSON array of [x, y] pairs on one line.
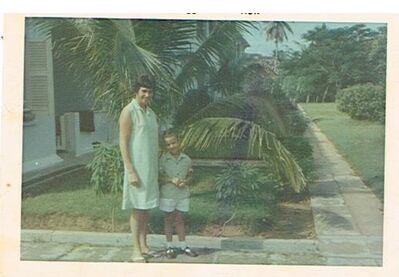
[[169, 133], [144, 81]]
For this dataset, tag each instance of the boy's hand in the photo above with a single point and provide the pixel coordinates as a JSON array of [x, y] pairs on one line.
[[176, 181], [182, 183]]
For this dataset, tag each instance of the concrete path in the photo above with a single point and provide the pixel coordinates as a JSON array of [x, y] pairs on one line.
[[348, 220], [116, 247], [347, 216]]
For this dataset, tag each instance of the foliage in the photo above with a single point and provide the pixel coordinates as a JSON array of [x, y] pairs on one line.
[[193, 102], [332, 59], [106, 55], [238, 182], [363, 102], [295, 122], [277, 31], [107, 169], [71, 200], [221, 131], [107, 173], [301, 149]]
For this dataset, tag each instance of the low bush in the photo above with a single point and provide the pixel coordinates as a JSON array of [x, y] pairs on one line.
[[365, 101], [240, 182]]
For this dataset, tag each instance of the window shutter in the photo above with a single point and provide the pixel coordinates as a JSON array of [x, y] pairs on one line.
[[39, 88]]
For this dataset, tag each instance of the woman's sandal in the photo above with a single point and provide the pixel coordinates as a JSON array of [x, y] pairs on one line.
[[151, 254], [138, 259]]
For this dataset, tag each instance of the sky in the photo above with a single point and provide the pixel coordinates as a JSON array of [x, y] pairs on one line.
[[259, 45]]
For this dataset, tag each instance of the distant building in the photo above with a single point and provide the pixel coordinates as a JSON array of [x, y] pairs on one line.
[[59, 120]]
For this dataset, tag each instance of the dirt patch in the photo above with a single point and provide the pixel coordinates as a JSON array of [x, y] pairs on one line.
[[294, 220]]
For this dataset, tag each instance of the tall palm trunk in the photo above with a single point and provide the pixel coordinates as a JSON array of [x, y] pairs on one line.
[[276, 57]]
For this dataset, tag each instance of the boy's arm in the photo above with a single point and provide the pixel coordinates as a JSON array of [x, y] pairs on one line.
[[166, 179], [189, 177]]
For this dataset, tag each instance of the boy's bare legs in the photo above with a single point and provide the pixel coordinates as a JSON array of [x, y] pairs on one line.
[[169, 219], [135, 229], [181, 233], [179, 219]]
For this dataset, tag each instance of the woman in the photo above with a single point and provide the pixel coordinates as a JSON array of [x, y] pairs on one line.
[[138, 140]]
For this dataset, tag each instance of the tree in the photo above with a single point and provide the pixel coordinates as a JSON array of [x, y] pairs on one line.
[[277, 32], [107, 55], [333, 59]]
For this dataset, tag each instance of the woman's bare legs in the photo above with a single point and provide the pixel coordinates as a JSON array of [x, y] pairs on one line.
[[143, 231], [135, 229]]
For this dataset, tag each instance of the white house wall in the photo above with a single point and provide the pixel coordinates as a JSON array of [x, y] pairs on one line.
[[39, 150], [105, 131], [78, 142], [39, 142]]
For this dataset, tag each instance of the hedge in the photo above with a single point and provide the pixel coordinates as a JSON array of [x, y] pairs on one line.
[[365, 101]]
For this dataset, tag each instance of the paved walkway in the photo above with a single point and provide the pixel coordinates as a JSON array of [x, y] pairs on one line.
[[348, 220], [347, 216]]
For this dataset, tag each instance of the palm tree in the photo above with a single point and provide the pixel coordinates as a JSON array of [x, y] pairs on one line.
[[277, 31], [226, 122], [107, 54]]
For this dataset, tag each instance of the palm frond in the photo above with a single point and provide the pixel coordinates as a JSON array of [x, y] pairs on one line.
[[215, 131], [105, 57], [260, 110], [210, 50], [276, 30]]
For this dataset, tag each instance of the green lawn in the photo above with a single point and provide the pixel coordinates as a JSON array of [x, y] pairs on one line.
[[360, 142], [69, 203]]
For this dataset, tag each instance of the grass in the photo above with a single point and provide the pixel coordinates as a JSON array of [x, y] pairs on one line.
[[360, 142], [69, 202]]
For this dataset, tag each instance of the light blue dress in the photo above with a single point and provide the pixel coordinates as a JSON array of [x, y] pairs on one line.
[[143, 151]]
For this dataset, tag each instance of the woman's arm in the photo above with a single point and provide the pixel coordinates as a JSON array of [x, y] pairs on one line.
[[125, 128]]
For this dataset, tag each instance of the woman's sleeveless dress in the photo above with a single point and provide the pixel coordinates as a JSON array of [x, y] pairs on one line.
[[143, 150]]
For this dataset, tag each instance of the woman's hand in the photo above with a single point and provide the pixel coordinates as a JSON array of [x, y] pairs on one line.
[[133, 179]]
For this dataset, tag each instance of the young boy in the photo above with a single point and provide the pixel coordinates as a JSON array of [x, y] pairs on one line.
[[175, 177]]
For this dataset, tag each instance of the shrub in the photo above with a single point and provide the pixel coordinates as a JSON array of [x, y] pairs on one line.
[[365, 101], [107, 173], [302, 151], [240, 182], [106, 169]]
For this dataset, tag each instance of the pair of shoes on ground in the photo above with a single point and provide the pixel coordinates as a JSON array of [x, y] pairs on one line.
[[171, 253]]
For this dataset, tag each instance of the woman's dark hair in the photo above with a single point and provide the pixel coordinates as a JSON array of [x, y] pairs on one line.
[[144, 81]]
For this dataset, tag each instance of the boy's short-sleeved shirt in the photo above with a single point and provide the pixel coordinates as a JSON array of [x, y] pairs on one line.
[[172, 167]]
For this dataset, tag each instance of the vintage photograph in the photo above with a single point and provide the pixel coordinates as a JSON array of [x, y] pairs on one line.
[[203, 141]]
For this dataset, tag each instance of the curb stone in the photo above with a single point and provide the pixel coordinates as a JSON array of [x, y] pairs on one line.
[[157, 241]]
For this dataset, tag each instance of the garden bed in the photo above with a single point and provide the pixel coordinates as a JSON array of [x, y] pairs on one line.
[[69, 203]]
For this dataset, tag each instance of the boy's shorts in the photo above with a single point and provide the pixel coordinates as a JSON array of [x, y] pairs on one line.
[[169, 205]]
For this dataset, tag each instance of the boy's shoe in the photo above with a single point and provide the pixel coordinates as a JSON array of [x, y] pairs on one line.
[[188, 251], [171, 253]]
